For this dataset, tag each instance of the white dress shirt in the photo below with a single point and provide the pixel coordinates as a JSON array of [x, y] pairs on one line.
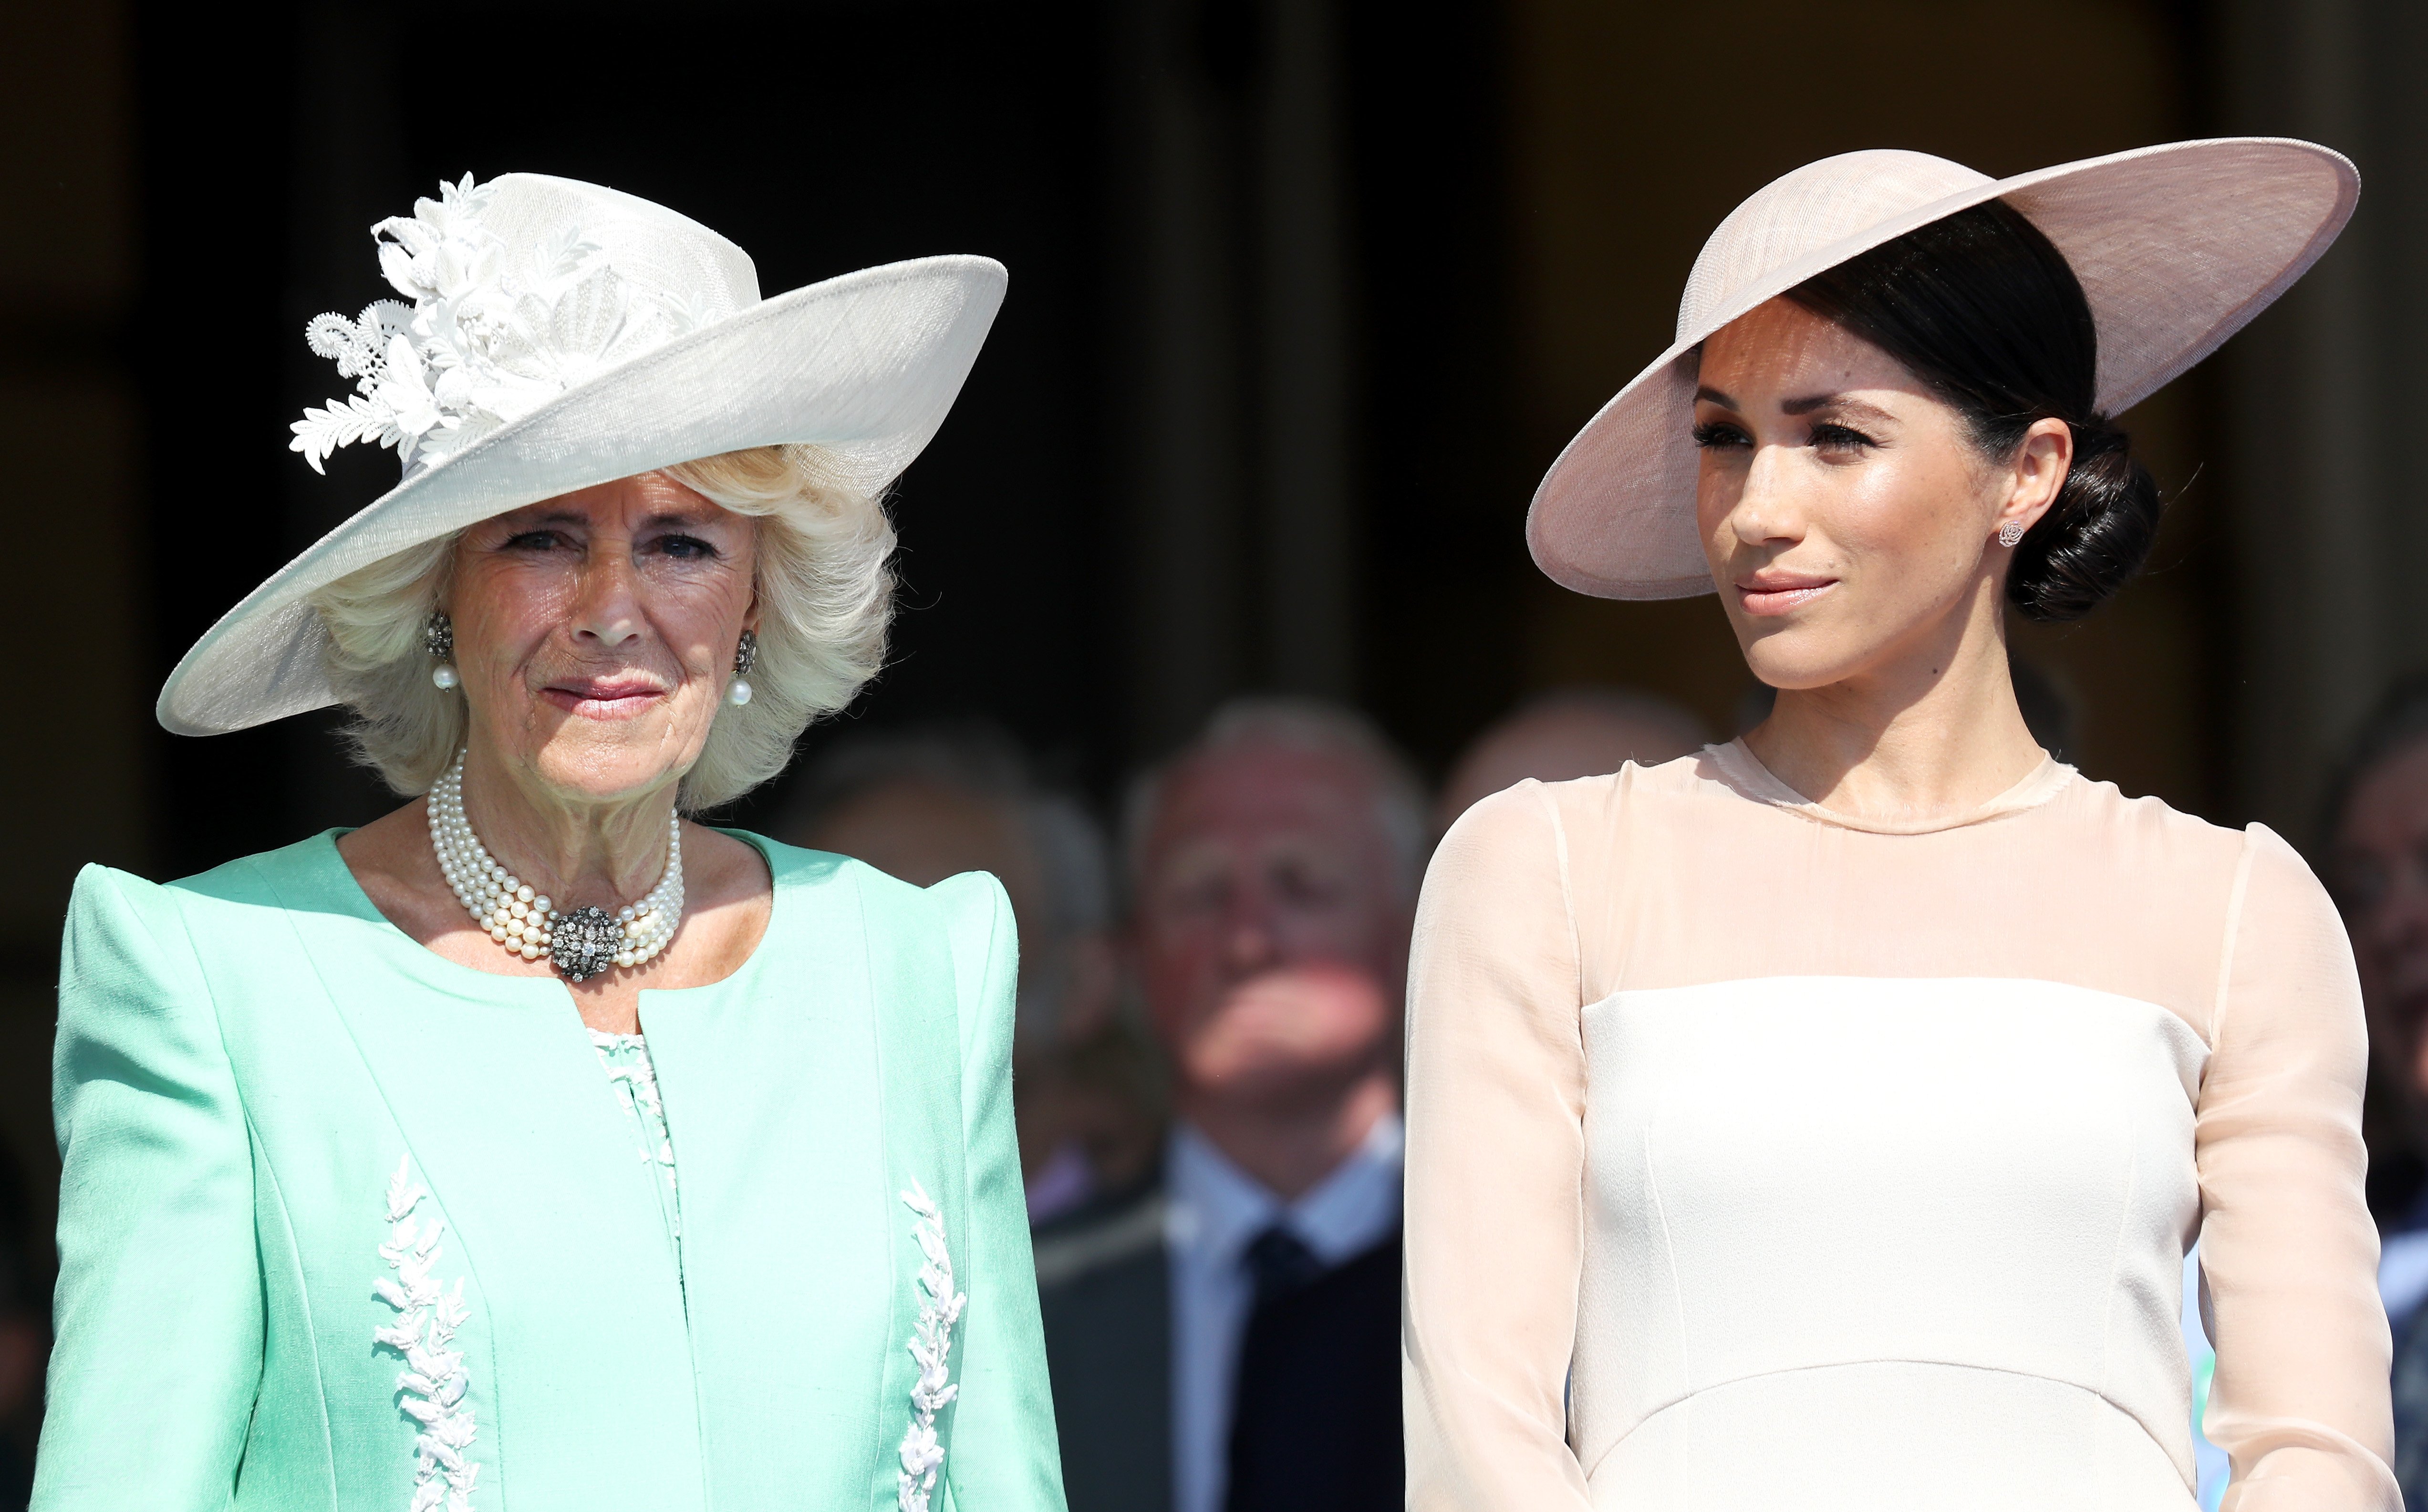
[[1213, 1209]]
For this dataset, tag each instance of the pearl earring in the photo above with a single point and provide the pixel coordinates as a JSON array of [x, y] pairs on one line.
[[438, 639], [746, 656], [2010, 532]]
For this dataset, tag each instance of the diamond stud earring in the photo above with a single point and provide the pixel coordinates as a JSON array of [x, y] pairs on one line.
[[2010, 532], [746, 656], [438, 639]]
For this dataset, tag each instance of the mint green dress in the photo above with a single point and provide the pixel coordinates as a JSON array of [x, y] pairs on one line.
[[344, 1225]]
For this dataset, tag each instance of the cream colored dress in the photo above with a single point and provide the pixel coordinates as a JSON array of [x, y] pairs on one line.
[[1762, 1158]]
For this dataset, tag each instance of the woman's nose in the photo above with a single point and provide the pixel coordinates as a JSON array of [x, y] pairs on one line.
[[609, 609], [1764, 511]]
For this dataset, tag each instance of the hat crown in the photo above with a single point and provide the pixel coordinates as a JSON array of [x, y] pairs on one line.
[[1800, 214], [659, 253], [521, 288]]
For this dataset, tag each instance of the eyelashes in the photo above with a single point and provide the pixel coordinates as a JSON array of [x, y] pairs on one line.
[[1722, 435]]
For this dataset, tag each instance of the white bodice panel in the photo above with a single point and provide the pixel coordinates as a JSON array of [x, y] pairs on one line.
[[1838, 1225]]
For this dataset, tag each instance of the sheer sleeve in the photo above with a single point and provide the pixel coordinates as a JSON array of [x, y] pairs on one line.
[[1496, 1162], [2287, 1250]]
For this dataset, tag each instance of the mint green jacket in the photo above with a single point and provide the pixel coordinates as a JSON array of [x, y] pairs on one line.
[[269, 1101]]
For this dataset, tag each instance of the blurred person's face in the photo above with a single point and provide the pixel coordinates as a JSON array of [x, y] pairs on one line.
[[1848, 518], [1270, 933], [923, 831], [2379, 873], [595, 632]]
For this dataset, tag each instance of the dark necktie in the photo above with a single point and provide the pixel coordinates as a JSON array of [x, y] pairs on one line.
[[1315, 1423], [1278, 1262]]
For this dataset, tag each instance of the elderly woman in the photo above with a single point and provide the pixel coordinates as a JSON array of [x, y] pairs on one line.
[[536, 1145]]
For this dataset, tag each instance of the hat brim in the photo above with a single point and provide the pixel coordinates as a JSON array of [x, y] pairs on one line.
[[2177, 247], [865, 366]]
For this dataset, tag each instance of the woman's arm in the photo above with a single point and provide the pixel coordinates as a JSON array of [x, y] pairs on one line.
[[158, 1309], [1496, 1162], [2287, 1250], [1004, 1454]]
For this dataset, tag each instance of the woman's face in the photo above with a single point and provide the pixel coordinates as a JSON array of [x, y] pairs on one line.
[[1847, 516], [594, 632]]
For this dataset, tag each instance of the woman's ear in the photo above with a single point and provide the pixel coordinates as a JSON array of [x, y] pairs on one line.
[[2041, 463]]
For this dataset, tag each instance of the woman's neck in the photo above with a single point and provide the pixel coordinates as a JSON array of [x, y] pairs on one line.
[[576, 853], [1930, 735]]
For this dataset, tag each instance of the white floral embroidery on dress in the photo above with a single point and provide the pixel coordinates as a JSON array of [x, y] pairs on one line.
[[431, 1390], [634, 1077], [931, 1345], [488, 338]]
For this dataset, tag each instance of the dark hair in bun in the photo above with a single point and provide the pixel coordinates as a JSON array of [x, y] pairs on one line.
[[1985, 311]]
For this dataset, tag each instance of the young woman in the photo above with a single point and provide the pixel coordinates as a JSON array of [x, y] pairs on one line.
[[1821, 1121]]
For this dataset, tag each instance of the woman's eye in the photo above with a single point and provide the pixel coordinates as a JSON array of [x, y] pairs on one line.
[[534, 541], [1714, 435], [1840, 438], [685, 548]]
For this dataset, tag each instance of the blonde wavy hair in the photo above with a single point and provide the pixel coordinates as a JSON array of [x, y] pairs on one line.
[[826, 596]]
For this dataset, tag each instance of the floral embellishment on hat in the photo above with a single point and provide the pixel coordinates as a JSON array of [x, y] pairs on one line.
[[493, 332]]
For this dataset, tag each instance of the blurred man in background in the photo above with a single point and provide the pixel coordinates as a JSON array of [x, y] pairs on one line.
[[1569, 732], [2376, 864], [929, 804], [1231, 1340]]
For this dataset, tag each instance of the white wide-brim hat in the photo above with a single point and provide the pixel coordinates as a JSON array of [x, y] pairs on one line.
[[2176, 248], [563, 335]]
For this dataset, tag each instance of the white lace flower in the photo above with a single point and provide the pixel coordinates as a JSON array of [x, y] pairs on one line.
[[931, 1346], [492, 333], [433, 1383]]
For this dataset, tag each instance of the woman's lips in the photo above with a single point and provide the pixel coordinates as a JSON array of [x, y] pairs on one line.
[[603, 699], [1767, 597]]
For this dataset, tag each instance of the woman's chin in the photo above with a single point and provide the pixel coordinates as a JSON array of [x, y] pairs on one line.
[[603, 762], [1792, 663]]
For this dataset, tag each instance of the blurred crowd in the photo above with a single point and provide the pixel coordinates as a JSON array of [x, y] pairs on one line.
[[1208, 1064]]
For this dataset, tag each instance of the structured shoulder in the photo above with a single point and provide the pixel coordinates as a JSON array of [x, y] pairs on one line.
[[106, 901], [266, 876], [973, 906]]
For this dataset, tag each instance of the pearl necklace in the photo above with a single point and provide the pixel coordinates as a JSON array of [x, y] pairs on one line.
[[581, 944]]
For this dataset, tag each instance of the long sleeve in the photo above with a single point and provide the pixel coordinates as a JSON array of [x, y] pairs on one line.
[[1005, 1457], [158, 1308], [1496, 1162], [2289, 1255]]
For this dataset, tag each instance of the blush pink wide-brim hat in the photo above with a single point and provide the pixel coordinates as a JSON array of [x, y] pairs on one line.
[[2177, 247], [562, 335]]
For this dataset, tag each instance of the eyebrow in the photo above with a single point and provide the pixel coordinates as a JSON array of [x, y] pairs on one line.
[[1839, 401], [663, 519], [1707, 395]]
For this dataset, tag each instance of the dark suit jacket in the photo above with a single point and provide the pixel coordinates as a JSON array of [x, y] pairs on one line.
[[1329, 1358]]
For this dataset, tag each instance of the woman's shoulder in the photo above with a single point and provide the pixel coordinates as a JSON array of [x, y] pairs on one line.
[[969, 902], [264, 878], [124, 928], [1531, 815], [2148, 832]]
